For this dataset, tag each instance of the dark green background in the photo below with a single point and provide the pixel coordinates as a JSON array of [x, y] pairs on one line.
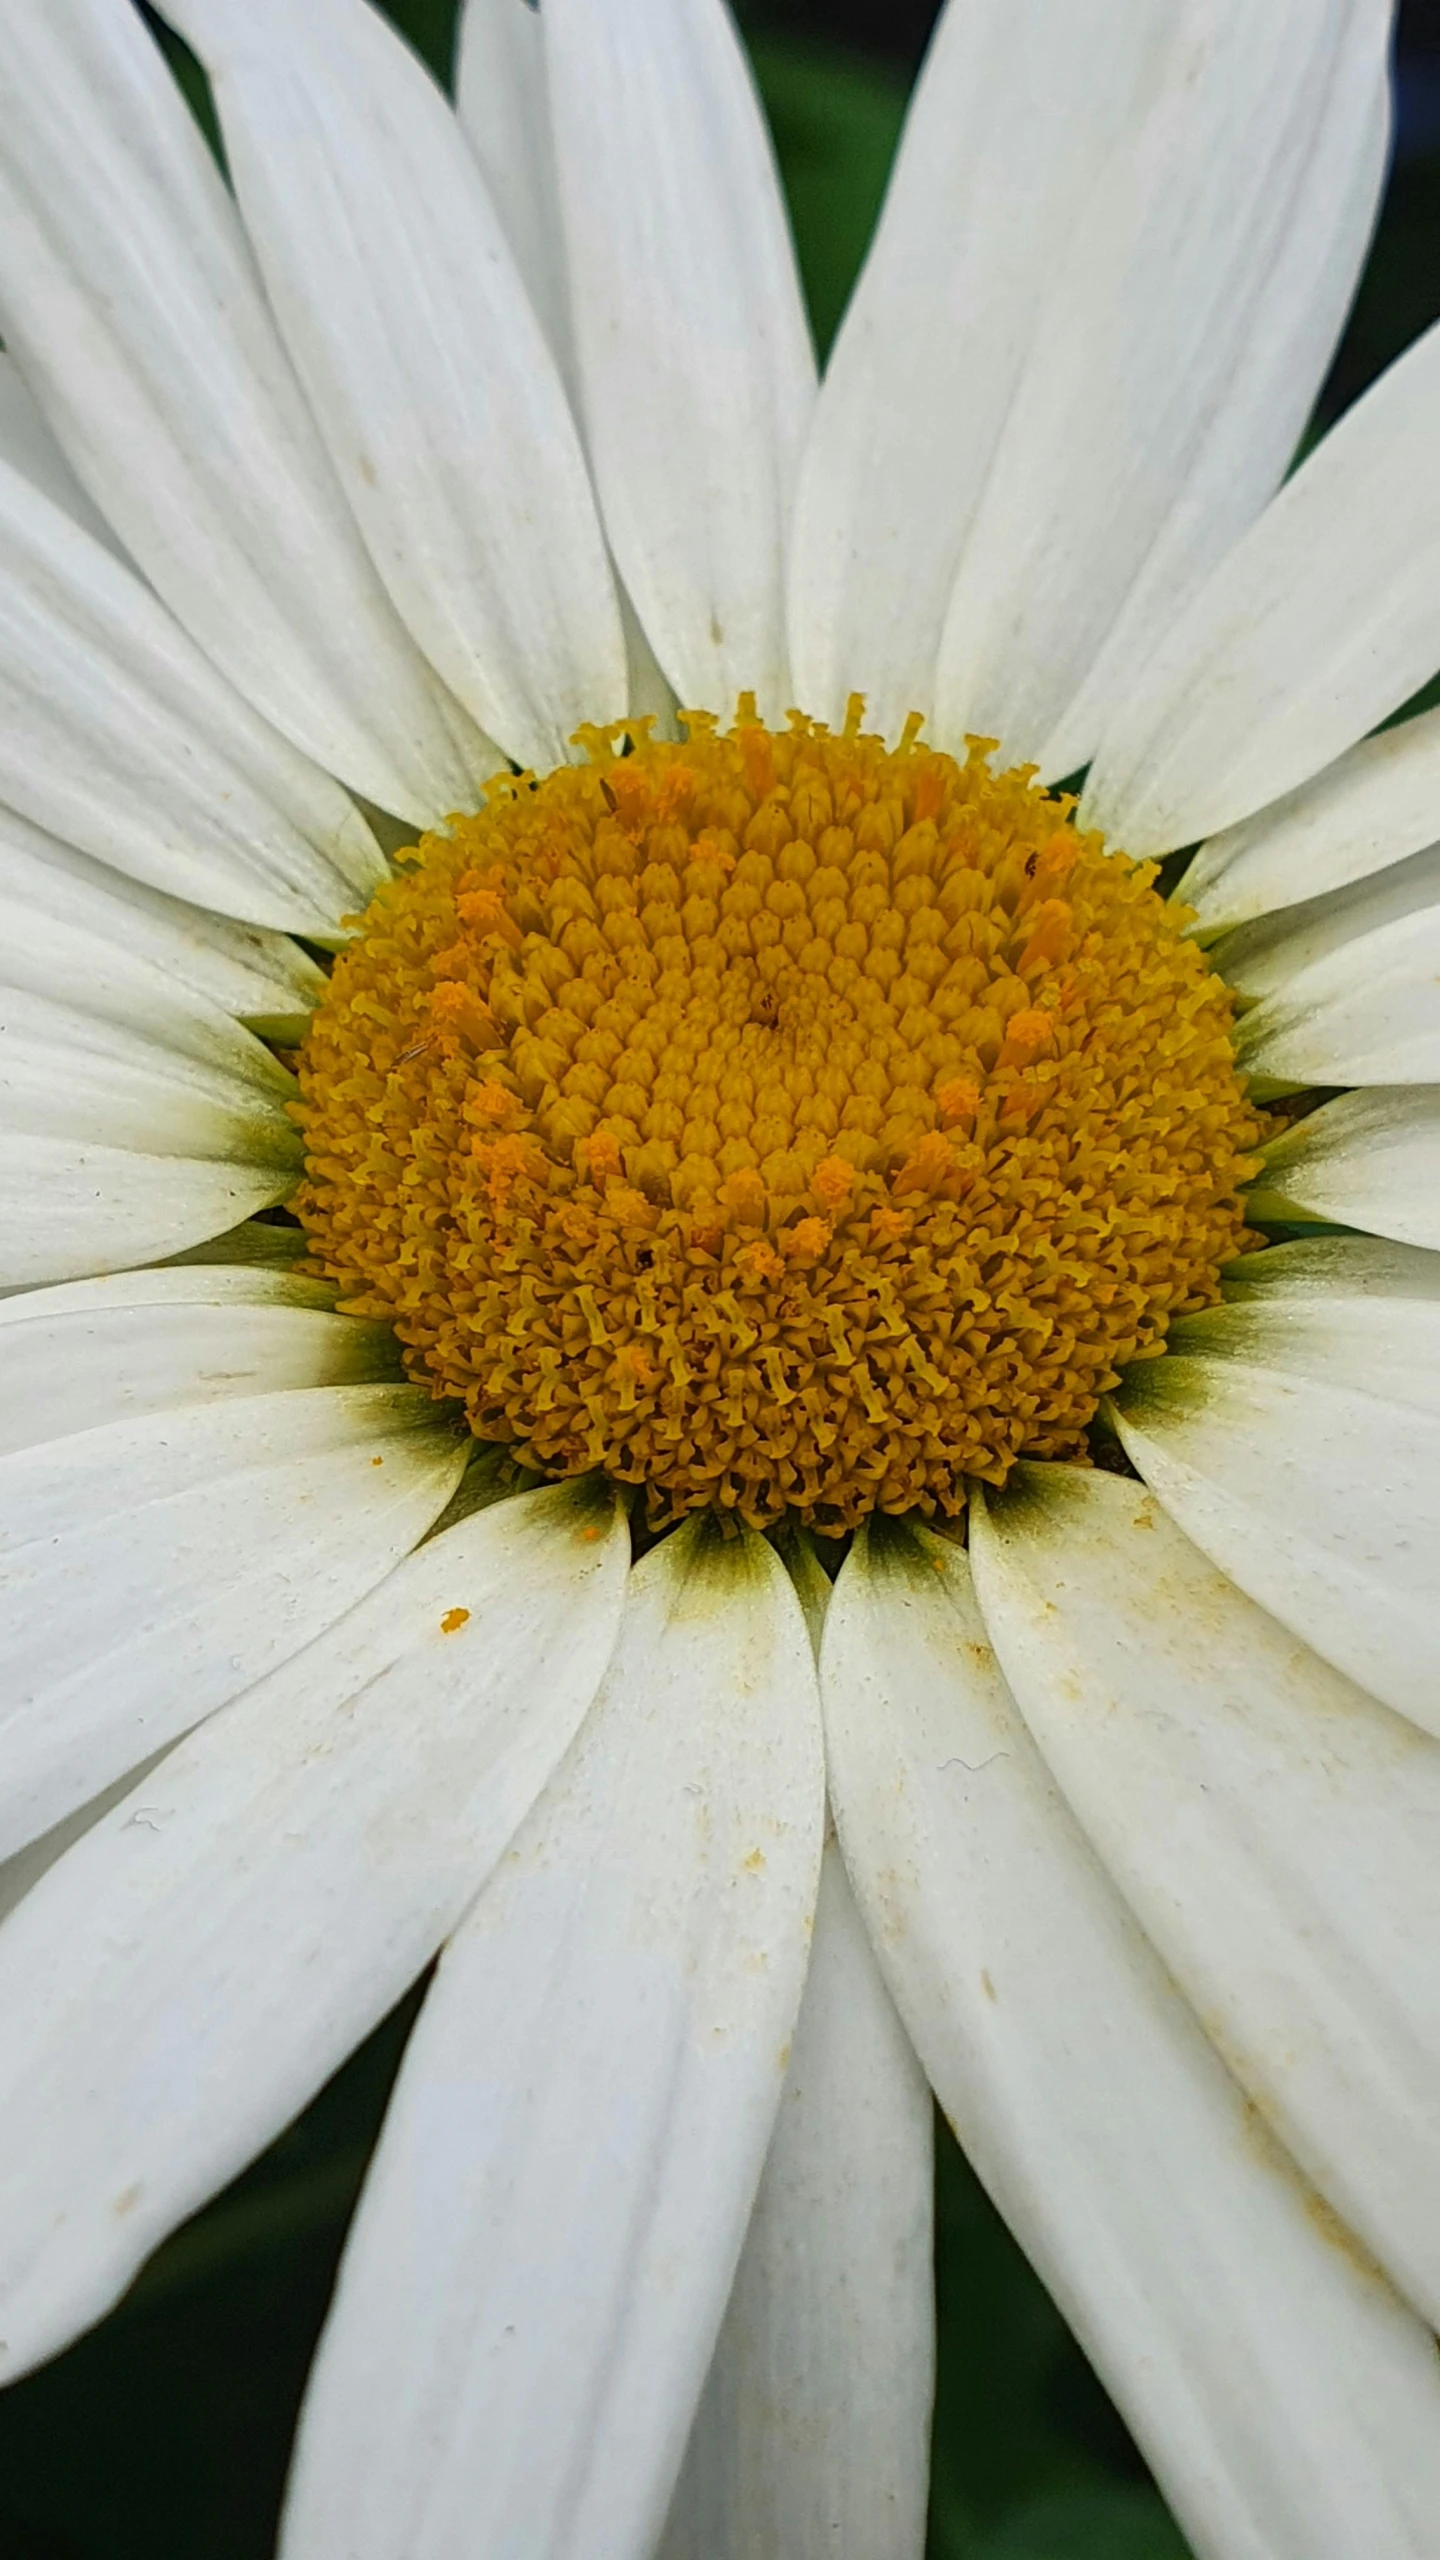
[[163, 2436]]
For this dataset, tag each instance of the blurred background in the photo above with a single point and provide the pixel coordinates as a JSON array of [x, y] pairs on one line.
[[164, 2435]]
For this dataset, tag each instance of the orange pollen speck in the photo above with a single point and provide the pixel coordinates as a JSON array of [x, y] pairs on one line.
[[774, 1120]]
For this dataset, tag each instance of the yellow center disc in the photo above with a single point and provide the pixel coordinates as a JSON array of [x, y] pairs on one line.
[[774, 1121]]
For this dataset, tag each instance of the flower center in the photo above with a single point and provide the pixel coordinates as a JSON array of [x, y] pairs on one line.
[[774, 1121]]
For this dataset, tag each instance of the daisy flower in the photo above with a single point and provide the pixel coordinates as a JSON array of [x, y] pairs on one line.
[[761, 1187]]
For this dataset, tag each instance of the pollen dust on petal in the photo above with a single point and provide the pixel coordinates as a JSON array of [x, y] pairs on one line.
[[774, 1120]]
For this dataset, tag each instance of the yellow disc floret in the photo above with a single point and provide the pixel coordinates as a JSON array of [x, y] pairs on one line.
[[774, 1121]]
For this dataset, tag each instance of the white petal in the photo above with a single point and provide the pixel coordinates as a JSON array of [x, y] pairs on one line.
[[184, 1980], [69, 1206], [1322, 1501], [1263, 958], [66, 921], [151, 1570], [145, 1341], [812, 1586], [1015, 114], [650, 692], [1289, 2404], [813, 2435], [27, 445], [1289, 1278], [502, 96], [1369, 1159], [255, 1243], [407, 322], [1370, 808], [1358, 995], [502, 99], [76, 1087], [1274, 1830], [129, 297], [118, 736], [1195, 324], [1322, 620], [540, 2261], [20, 1874], [692, 346], [1348, 1310], [195, 1085]]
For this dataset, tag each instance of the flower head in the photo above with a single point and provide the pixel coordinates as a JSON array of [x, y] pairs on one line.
[[779, 1124], [644, 1353]]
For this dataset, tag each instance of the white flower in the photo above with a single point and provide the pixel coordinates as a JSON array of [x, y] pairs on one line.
[[1139, 1796]]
